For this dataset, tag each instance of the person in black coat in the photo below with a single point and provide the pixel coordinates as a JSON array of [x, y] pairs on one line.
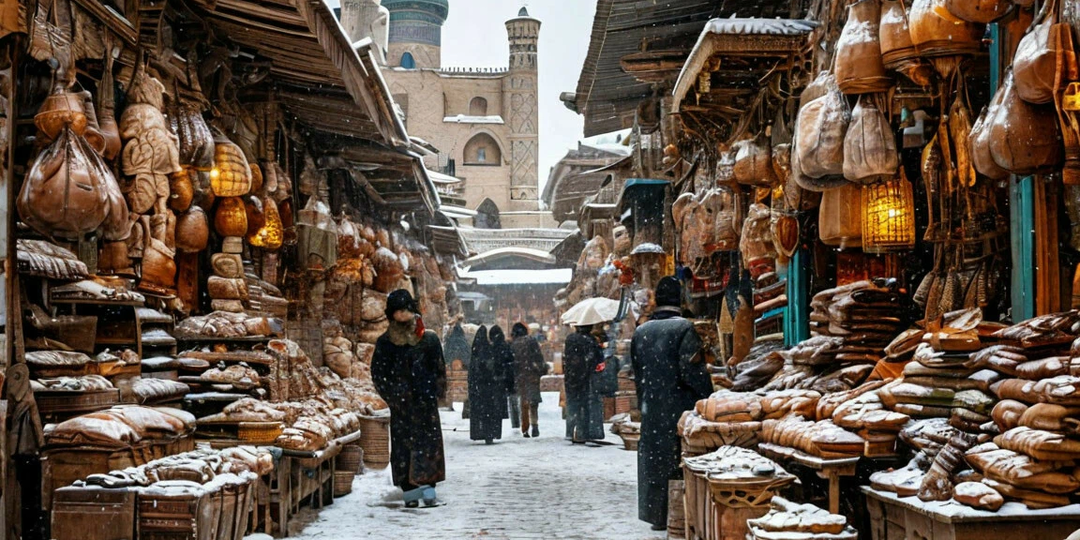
[[456, 348], [410, 375], [584, 405], [529, 368], [671, 377], [505, 355], [487, 390]]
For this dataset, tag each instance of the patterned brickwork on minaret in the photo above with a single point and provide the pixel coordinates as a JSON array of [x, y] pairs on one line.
[[522, 112]]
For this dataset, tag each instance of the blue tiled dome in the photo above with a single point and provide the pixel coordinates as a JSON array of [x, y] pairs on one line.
[[434, 11]]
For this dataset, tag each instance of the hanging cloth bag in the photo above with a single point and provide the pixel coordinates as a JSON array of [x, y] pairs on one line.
[[1042, 56], [870, 153]]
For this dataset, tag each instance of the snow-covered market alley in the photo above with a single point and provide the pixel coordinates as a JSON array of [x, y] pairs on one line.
[[516, 489]]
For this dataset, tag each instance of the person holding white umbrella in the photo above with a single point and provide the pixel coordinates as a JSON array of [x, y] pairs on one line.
[[584, 406]]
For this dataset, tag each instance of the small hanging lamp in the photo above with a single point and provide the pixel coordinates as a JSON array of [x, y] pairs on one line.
[[231, 175], [889, 216], [272, 234]]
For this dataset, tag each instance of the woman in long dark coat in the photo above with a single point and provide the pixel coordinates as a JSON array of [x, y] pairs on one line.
[[487, 391], [410, 374], [584, 406]]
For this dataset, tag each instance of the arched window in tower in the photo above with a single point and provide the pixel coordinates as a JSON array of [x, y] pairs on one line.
[[407, 61], [487, 216], [478, 107], [482, 150]]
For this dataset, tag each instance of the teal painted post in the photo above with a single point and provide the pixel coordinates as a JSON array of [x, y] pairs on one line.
[[1021, 214], [797, 321]]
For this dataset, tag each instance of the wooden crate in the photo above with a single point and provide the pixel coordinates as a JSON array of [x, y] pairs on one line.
[[187, 515], [893, 518], [60, 467], [93, 513]]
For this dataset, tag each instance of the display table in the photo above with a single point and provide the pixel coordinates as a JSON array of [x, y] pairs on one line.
[[718, 502], [828, 469], [908, 518]]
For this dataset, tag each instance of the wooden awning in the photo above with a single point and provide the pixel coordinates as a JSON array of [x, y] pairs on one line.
[[316, 72], [639, 44]]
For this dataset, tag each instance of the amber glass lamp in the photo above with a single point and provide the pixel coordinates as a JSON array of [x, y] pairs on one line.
[[272, 234], [889, 216], [231, 175], [231, 217]]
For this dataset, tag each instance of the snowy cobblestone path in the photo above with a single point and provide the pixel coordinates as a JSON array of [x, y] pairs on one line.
[[517, 489]]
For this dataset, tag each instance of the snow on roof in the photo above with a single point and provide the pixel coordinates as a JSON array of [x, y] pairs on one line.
[[457, 211], [440, 178], [521, 277], [466, 119]]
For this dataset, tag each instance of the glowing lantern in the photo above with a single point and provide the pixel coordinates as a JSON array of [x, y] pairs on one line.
[[888, 216], [231, 217], [272, 233], [231, 175]]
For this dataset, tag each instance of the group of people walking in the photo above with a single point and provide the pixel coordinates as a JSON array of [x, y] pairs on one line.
[[409, 370]]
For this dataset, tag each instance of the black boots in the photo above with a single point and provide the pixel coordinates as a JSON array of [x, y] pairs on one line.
[[535, 431]]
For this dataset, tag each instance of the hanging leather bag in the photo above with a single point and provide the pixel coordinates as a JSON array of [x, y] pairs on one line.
[[753, 162], [859, 66], [1043, 55], [979, 141], [1025, 139]]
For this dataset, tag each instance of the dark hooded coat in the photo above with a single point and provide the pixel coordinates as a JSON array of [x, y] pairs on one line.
[[670, 379], [529, 365], [411, 378], [487, 390], [457, 347], [584, 405]]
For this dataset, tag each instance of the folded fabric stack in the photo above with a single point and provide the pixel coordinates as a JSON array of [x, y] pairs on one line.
[[120, 427], [865, 316], [787, 520], [763, 362]]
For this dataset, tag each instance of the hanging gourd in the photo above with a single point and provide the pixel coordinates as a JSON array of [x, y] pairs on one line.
[[840, 217], [936, 32], [888, 223]]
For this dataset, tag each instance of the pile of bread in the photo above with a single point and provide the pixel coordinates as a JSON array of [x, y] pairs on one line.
[[121, 426], [859, 320], [788, 520], [228, 325], [202, 466], [1001, 421]]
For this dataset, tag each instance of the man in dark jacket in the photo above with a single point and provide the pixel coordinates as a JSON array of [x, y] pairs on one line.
[[410, 374], [670, 378], [529, 367], [584, 406]]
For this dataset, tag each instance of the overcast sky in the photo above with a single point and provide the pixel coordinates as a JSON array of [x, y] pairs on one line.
[[475, 36]]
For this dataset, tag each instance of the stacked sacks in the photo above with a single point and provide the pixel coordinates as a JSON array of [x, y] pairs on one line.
[[863, 315], [928, 437]]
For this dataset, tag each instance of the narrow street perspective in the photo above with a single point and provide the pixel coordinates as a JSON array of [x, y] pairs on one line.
[[518, 488]]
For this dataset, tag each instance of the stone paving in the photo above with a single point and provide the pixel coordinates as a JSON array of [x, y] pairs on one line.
[[518, 488]]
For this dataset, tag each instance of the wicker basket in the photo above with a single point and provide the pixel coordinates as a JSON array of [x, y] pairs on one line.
[[375, 441], [343, 481], [630, 441], [259, 432], [351, 459]]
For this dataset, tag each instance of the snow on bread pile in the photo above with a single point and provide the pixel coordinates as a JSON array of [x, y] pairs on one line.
[[787, 520], [1000, 414]]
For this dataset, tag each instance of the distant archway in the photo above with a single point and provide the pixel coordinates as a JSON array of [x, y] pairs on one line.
[[407, 61], [487, 216], [478, 107], [482, 150]]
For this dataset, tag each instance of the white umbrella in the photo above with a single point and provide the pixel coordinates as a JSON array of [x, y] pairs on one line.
[[591, 311]]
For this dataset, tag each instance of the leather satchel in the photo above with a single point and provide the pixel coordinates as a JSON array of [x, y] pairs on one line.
[[1024, 138], [1043, 58]]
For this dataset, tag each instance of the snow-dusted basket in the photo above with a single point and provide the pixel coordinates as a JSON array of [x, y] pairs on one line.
[[375, 441]]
